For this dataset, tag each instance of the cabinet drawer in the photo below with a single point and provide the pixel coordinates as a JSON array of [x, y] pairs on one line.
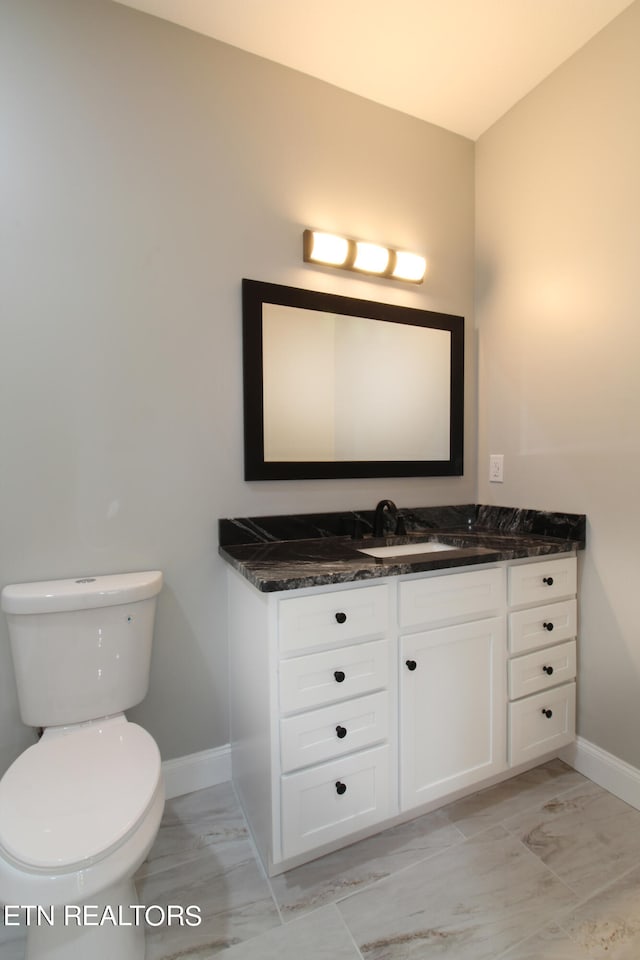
[[335, 799], [542, 626], [544, 580], [320, 678], [451, 597], [335, 617], [333, 731], [542, 669], [532, 732]]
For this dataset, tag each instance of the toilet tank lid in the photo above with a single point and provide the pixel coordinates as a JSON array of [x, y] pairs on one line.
[[83, 593]]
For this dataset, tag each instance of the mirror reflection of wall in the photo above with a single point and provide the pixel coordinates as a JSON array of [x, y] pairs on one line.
[[298, 375], [349, 388]]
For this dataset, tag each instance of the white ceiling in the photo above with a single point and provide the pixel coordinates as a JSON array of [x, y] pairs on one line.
[[460, 64]]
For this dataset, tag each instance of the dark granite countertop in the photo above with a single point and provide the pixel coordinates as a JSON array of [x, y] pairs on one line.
[[274, 555]]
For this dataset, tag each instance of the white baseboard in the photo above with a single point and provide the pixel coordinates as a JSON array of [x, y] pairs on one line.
[[605, 769], [196, 771]]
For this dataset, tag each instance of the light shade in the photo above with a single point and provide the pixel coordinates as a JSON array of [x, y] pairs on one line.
[[362, 256], [409, 266], [371, 258], [326, 248]]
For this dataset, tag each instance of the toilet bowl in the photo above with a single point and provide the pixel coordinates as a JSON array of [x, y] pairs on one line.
[[80, 810]]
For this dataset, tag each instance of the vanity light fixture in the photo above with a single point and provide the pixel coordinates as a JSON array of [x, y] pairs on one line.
[[363, 257]]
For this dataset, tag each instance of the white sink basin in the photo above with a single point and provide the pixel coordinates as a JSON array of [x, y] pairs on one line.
[[402, 549]]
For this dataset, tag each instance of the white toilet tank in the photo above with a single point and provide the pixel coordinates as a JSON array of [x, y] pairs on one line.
[[81, 648]]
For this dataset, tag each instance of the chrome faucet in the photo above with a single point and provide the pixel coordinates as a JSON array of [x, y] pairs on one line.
[[387, 507]]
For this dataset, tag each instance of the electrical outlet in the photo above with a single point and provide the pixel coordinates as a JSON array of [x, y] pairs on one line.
[[496, 468]]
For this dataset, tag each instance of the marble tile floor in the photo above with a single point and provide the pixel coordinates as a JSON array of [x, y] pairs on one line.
[[545, 866]]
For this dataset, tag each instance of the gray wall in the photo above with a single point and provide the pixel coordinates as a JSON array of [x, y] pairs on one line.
[[558, 248], [144, 171]]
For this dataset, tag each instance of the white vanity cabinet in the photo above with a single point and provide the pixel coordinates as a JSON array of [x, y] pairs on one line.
[[353, 704], [542, 664]]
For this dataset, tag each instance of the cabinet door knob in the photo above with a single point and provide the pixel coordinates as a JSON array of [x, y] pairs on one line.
[[339, 675], [341, 732], [411, 664], [548, 713], [340, 787], [548, 581], [548, 626], [341, 617], [548, 670]]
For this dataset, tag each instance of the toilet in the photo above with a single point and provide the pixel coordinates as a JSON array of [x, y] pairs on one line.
[[80, 810]]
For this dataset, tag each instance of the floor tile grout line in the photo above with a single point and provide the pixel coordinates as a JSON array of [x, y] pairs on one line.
[[587, 952], [202, 851], [392, 873], [599, 891], [549, 919], [582, 899], [395, 873], [556, 919], [539, 860], [261, 867], [401, 870], [560, 917], [525, 810], [347, 929], [553, 873], [179, 824], [537, 932]]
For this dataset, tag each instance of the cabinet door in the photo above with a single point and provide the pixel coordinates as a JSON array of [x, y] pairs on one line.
[[452, 709]]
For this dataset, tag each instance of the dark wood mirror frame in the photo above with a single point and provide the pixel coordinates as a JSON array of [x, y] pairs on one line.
[[254, 295]]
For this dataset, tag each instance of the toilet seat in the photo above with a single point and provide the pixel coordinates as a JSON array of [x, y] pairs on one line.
[[77, 794]]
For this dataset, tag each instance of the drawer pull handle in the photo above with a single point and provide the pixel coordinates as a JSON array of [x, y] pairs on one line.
[[341, 617], [548, 626], [548, 581], [341, 732], [548, 671], [339, 675], [340, 787], [548, 713], [411, 664]]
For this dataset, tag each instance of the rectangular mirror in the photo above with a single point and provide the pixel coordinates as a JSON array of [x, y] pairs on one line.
[[338, 387]]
